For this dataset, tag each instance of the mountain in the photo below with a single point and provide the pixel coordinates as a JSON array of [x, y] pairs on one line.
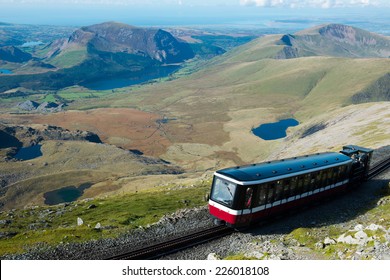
[[102, 51], [121, 39], [336, 40], [331, 40], [14, 54]]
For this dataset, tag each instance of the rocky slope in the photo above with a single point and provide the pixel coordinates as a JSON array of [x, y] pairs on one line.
[[334, 40], [113, 37], [32, 135]]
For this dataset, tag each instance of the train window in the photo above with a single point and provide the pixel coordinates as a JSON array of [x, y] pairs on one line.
[[223, 191], [271, 192], [279, 190], [306, 182], [300, 185], [335, 174], [262, 191], [248, 198], [342, 173], [286, 188], [323, 176], [293, 186], [318, 179], [329, 176], [313, 181]]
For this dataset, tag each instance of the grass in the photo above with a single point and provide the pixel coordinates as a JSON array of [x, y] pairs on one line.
[[239, 257], [69, 58], [119, 214]]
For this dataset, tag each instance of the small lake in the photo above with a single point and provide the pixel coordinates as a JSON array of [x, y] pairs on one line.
[[66, 194], [113, 83], [276, 130], [32, 44], [5, 71], [27, 153]]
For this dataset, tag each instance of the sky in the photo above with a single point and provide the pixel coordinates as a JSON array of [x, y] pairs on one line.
[[190, 12]]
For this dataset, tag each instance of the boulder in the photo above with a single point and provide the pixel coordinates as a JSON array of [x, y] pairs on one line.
[[358, 227], [329, 241], [80, 221], [347, 239], [361, 235], [374, 227], [213, 257]]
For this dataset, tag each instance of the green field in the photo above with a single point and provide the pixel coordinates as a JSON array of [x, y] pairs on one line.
[[42, 226]]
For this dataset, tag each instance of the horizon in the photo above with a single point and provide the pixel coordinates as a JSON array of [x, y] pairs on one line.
[[254, 14]]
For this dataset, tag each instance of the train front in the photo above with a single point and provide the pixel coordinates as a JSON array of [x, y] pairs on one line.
[[222, 201]]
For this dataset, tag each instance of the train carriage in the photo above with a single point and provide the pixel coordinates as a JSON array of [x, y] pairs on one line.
[[246, 194]]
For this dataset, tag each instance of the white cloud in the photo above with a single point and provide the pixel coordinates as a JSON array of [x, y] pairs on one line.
[[314, 3]]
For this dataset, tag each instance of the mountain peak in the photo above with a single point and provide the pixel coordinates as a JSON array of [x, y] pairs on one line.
[[336, 40], [115, 37]]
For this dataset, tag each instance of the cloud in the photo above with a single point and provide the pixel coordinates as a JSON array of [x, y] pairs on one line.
[[325, 4]]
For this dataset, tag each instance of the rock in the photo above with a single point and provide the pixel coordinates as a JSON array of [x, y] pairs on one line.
[[320, 245], [98, 226], [7, 234], [213, 257], [347, 239], [341, 255], [80, 221], [383, 201], [329, 241], [5, 222], [92, 206], [358, 227], [373, 227], [255, 254], [28, 105], [361, 235]]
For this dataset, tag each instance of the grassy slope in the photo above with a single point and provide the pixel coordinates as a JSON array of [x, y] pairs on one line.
[[242, 89], [69, 58], [55, 224]]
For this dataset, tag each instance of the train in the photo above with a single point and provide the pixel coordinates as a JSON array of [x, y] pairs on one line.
[[245, 195]]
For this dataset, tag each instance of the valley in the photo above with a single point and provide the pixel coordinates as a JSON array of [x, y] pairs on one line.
[[178, 129]]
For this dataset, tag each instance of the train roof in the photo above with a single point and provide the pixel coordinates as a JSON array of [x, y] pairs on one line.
[[266, 170]]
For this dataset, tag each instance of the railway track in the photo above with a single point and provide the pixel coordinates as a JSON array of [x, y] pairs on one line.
[[203, 236], [378, 168], [175, 245]]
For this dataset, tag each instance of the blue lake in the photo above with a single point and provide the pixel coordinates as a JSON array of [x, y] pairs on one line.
[[5, 71], [272, 131], [113, 83], [27, 153], [32, 44], [66, 194]]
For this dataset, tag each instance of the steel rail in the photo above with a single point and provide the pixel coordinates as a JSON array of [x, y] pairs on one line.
[[175, 245], [378, 168]]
